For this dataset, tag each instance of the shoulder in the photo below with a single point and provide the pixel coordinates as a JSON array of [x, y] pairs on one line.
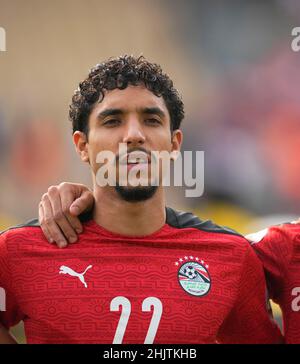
[[187, 220], [23, 234], [276, 234], [281, 241], [291, 229], [29, 224], [184, 220]]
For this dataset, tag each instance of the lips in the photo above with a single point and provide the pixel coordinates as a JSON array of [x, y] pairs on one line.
[[134, 158]]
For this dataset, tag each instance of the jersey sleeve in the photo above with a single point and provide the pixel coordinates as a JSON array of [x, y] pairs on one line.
[[274, 249], [10, 314], [250, 320]]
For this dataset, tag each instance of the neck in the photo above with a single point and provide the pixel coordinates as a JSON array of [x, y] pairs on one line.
[[127, 218]]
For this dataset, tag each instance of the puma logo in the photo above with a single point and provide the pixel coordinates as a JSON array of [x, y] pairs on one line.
[[66, 270]]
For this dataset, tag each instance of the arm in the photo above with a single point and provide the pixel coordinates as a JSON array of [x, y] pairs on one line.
[[250, 320], [59, 210]]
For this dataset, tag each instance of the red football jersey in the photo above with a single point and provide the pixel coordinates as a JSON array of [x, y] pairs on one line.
[[279, 250], [190, 282]]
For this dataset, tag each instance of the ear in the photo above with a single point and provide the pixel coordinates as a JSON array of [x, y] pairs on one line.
[[81, 145], [177, 138]]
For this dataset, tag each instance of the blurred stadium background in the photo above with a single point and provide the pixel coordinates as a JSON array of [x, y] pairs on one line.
[[232, 62]]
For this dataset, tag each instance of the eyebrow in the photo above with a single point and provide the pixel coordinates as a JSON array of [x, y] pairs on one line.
[[154, 110], [147, 110], [109, 112]]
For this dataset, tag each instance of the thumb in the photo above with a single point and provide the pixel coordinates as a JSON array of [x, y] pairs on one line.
[[84, 203]]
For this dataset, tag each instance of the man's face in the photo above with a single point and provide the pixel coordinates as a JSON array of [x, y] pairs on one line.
[[136, 117]]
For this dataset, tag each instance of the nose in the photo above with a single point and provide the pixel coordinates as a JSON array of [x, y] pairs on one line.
[[134, 134]]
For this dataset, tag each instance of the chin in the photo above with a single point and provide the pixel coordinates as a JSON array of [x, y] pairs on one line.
[[136, 194]]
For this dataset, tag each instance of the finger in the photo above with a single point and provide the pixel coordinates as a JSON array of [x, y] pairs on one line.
[[84, 203], [51, 225], [59, 216], [43, 225], [67, 198]]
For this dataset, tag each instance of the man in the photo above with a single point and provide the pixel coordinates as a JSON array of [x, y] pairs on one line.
[[278, 248], [142, 272]]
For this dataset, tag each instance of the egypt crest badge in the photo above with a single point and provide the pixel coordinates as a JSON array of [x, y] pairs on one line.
[[193, 275]]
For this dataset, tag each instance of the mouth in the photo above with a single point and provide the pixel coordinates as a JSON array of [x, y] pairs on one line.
[[135, 158]]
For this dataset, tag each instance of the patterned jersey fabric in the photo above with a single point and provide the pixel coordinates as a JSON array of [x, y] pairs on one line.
[[190, 282]]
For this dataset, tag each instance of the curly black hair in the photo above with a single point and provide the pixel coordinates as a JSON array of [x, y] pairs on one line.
[[119, 73]]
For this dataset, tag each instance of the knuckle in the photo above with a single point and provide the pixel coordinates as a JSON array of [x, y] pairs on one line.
[[52, 190], [58, 216], [63, 185], [44, 197], [46, 220], [65, 210]]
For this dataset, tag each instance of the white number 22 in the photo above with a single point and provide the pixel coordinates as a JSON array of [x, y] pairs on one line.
[[126, 310]]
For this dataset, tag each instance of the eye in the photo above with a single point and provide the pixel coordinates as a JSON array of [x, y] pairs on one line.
[[153, 121], [112, 122]]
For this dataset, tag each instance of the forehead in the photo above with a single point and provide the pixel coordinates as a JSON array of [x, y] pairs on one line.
[[131, 99]]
